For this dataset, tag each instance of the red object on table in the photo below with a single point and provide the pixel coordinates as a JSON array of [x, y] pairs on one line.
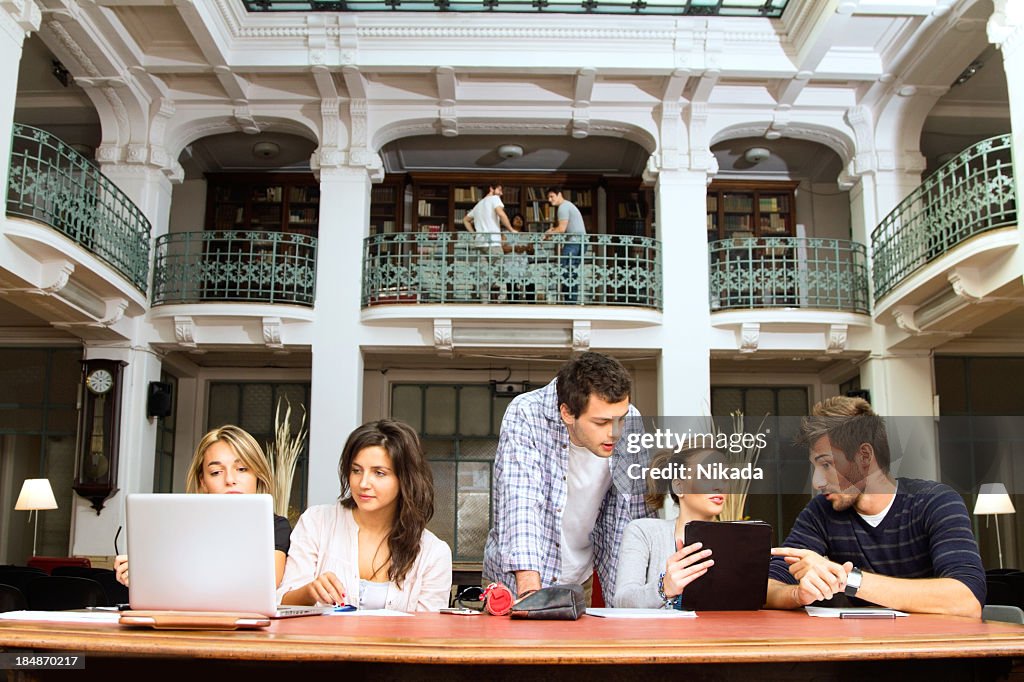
[[48, 563]]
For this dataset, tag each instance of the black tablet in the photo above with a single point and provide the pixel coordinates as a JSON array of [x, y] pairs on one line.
[[739, 579]]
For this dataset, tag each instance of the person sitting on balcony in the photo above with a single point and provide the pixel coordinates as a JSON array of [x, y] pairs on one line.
[[654, 566], [516, 264], [372, 549], [229, 461], [900, 543], [487, 218]]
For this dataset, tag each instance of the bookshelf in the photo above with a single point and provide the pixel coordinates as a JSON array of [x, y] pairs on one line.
[[262, 202], [442, 200], [748, 209], [630, 208], [386, 202]]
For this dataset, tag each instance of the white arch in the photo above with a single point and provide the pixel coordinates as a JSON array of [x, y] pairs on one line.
[[186, 130], [838, 140]]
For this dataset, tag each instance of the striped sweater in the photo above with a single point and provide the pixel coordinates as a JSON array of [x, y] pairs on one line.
[[926, 534]]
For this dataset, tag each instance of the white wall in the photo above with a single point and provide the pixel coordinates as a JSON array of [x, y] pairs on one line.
[[188, 206], [824, 209]]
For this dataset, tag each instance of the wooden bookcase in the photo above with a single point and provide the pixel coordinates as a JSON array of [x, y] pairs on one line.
[[736, 208], [386, 202], [263, 201], [442, 200], [630, 207]]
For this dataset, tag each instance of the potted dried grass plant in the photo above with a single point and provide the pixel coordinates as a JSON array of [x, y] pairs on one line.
[[283, 454], [736, 500]]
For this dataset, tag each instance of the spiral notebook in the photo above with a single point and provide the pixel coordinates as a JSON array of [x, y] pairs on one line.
[[738, 581]]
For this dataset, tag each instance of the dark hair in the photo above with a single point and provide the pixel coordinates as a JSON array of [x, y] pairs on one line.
[[415, 487], [848, 423], [553, 190], [492, 185], [657, 488], [591, 374]]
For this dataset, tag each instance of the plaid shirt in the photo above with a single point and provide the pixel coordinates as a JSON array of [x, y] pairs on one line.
[[530, 491]]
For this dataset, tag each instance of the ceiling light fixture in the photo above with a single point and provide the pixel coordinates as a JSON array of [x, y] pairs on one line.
[[266, 150], [510, 151], [756, 154]]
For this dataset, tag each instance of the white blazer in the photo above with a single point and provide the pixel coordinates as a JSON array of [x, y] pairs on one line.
[[326, 539]]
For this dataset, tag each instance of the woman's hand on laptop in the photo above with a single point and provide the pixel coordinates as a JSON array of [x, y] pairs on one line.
[[684, 566], [327, 589], [121, 569]]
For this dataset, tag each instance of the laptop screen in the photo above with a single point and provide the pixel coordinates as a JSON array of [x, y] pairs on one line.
[[201, 552]]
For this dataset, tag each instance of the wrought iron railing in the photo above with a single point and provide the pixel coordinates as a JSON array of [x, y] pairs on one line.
[[788, 272], [256, 267], [54, 184], [524, 268], [971, 193]]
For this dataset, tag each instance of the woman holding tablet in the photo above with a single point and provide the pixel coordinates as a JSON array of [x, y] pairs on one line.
[[654, 566], [229, 461], [371, 549]]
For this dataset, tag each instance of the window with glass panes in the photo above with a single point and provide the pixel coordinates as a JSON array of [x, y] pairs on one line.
[[459, 426], [163, 467], [778, 509], [252, 405]]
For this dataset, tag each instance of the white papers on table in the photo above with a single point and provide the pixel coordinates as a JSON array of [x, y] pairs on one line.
[[640, 613], [852, 612], [63, 616], [369, 612]]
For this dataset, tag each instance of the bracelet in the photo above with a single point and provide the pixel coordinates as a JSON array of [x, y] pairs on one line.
[[666, 600]]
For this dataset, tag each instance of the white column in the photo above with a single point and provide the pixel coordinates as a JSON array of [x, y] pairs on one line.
[[1006, 30], [94, 534], [148, 187], [684, 371], [17, 19], [337, 363]]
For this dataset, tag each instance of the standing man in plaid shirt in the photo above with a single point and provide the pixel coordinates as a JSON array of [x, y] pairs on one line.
[[561, 496]]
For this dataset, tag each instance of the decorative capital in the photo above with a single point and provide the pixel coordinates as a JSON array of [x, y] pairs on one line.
[[750, 336], [581, 335], [837, 334], [185, 331], [272, 332], [443, 341]]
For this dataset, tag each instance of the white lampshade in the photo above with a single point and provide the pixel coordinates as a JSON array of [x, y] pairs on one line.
[[993, 499], [36, 493]]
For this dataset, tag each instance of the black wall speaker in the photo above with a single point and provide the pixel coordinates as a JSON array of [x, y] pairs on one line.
[[160, 401], [860, 393]]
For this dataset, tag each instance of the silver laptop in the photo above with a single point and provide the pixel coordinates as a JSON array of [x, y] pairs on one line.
[[204, 553]]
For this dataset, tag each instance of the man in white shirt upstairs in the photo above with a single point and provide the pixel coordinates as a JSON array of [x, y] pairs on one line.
[[487, 218]]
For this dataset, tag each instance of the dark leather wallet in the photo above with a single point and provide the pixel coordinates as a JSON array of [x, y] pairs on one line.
[[558, 602]]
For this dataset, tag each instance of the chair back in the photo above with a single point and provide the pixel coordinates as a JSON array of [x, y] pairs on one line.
[[20, 577], [61, 593], [1002, 614], [12, 599]]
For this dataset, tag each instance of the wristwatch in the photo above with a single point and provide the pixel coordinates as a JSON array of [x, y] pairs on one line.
[[853, 581]]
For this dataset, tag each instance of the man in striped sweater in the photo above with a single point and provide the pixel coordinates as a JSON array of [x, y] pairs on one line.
[[902, 543]]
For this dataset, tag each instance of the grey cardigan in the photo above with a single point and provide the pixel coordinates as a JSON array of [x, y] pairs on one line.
[[646, 546]]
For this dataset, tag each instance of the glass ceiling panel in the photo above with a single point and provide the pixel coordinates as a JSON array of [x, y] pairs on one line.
[[727, 8]]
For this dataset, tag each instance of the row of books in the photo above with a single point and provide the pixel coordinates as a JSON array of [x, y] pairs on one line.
[[272, 193], [383, 194], [630, 210], [467, 194], [309, 195], [302, 215]]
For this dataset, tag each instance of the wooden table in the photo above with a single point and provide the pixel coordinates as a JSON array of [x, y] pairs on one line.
[[748, 645]]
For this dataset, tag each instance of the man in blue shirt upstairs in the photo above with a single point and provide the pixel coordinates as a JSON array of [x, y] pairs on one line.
[[901, 543], [562, 496]]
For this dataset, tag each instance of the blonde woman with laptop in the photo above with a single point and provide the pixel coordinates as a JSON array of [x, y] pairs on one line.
[[229, 461], [372, 549], [654, 567]]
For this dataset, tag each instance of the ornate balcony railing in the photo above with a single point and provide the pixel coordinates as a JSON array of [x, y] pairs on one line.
[[54, 184], [250, 267], [523, 268], [788, 272], [970, 194]]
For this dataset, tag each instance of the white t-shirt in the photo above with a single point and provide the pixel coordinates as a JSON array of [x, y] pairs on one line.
[[485, 219], [587, 480], [874, 519]]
